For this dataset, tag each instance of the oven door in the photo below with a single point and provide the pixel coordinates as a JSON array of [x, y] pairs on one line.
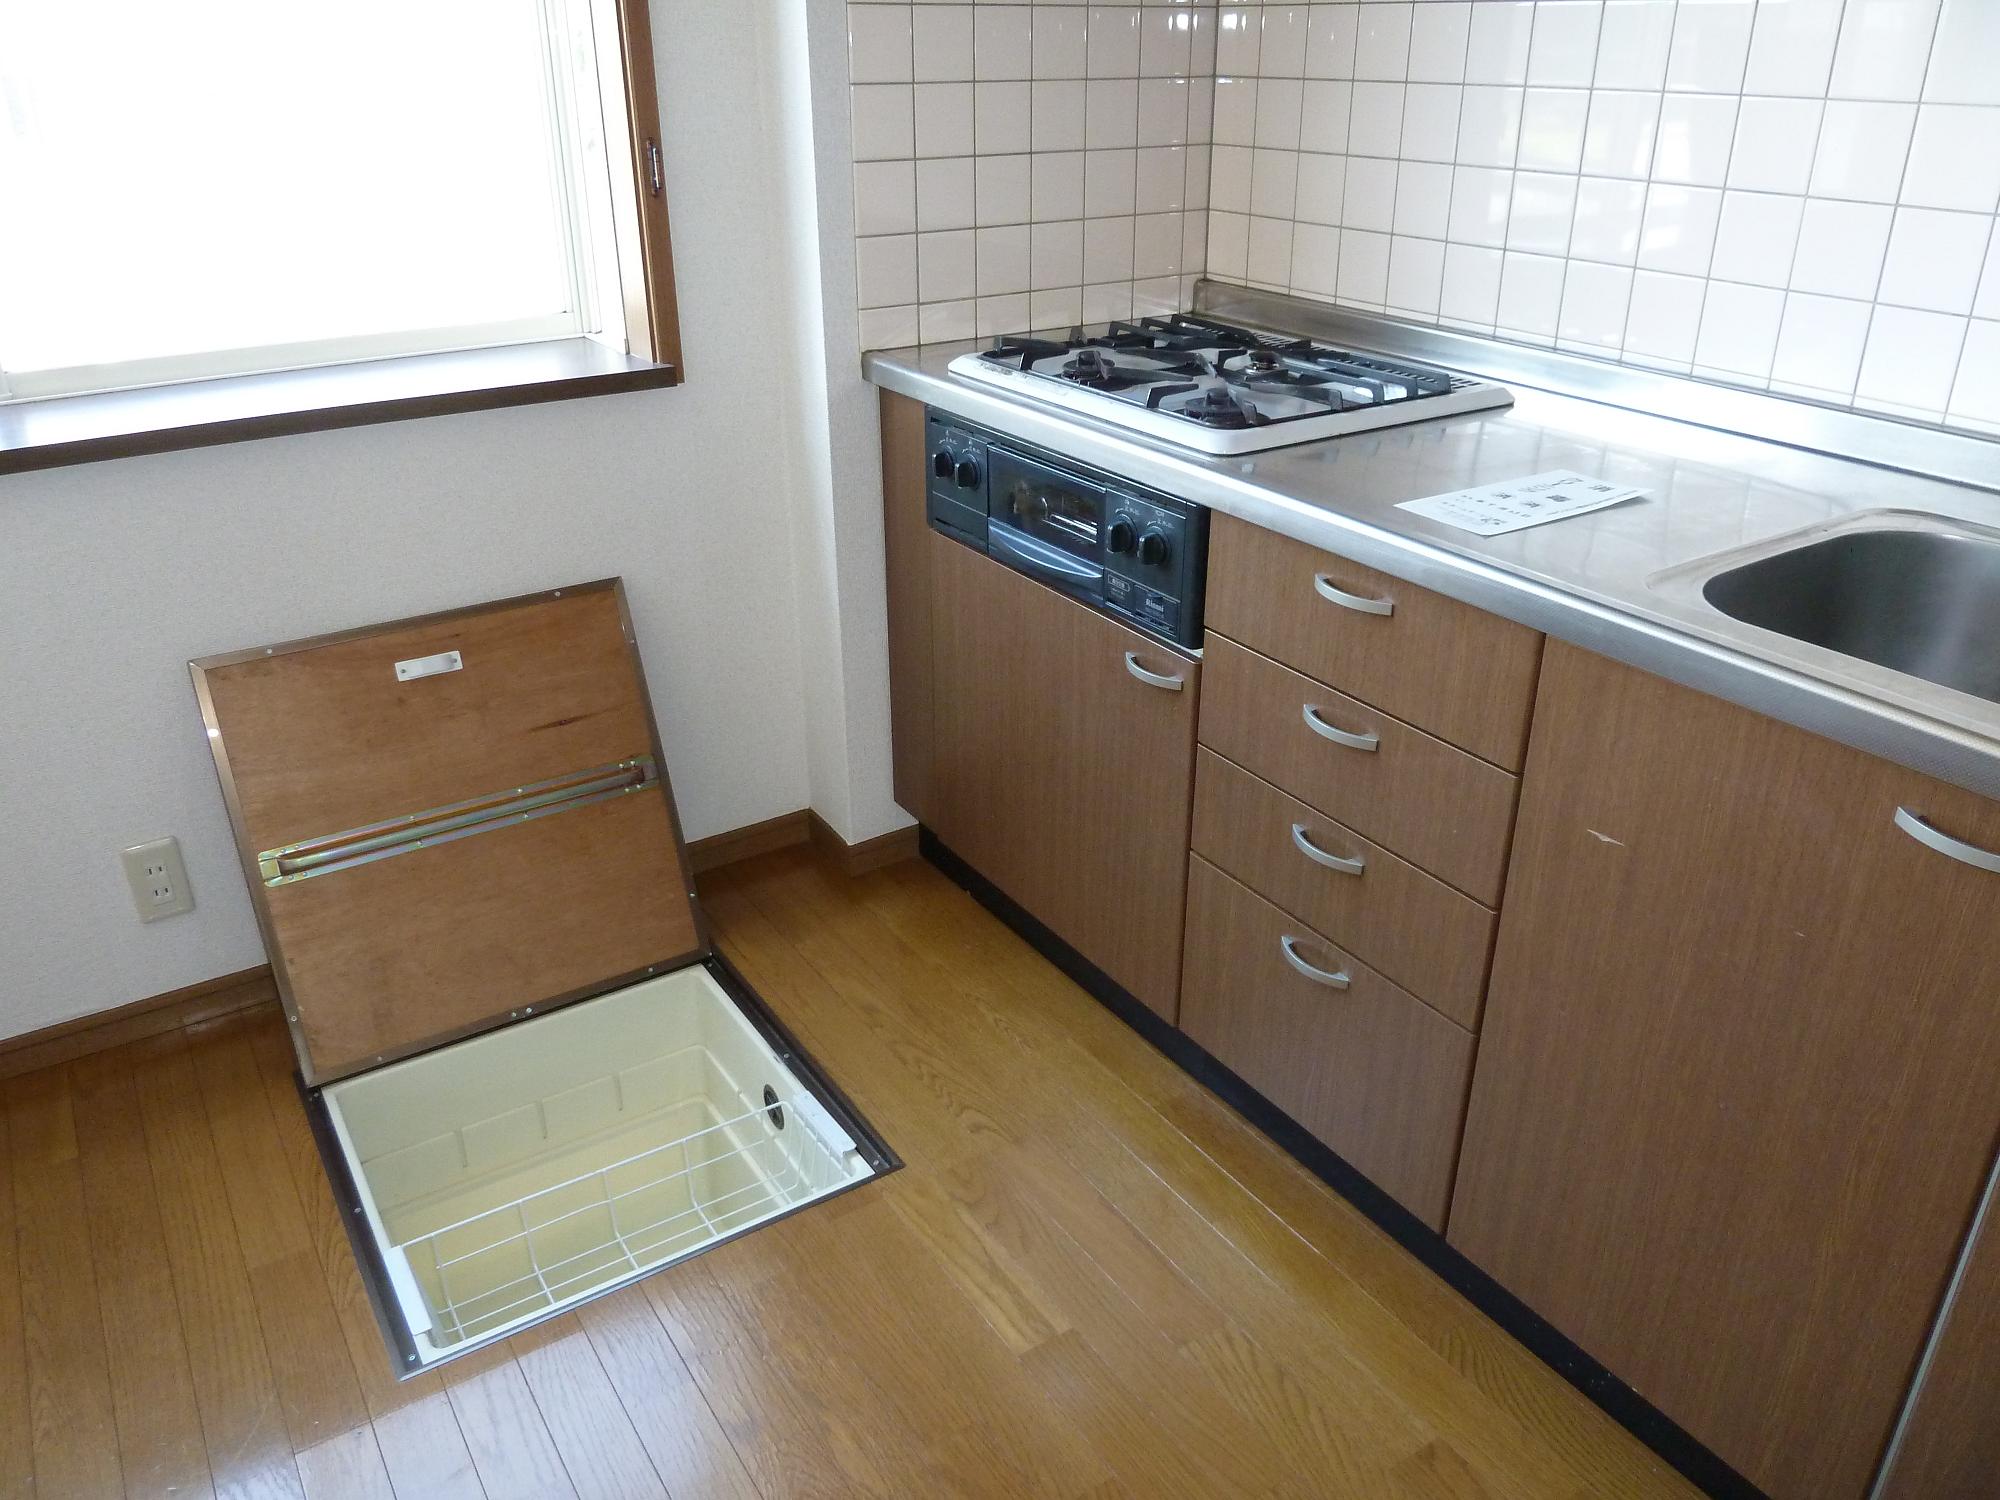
[[1045, 522]]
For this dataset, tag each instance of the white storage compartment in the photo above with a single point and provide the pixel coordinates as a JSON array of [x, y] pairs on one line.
[[514, 1174]]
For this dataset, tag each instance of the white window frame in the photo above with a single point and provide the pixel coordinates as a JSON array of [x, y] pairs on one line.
[[604, 158]]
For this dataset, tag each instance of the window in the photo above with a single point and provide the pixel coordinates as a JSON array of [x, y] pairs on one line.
[[219, 187]]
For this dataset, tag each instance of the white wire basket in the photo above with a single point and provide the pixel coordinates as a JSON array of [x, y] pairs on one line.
[[515, 1174]]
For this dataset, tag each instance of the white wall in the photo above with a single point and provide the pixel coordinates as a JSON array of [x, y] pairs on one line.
[[842, 602], [112, 575]]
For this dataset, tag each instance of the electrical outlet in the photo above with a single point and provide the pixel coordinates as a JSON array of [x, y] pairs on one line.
[[158, 879]]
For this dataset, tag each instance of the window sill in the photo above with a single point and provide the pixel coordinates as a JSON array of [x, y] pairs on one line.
[[61, 430]]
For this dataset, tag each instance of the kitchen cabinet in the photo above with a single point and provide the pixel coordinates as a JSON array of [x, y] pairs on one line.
[[1950, 1445], [1734, 1100], [1062, 764], [1360, 1062]]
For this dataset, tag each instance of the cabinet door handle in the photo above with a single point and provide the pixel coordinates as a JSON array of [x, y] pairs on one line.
[[1319, 856], [1152, 679], [1945, 844], [1289, 945], [1360, 603], [1345, 737]]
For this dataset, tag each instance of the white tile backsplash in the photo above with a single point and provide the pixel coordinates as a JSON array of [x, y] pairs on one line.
[[1027, 165], [1796, 195]]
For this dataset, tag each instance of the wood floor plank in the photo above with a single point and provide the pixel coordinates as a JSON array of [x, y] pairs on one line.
[[249, 1453], [71, 1414], [935, 1361], [374, 1367], [511, 1449], [424, 1451], [152, 1384], [17, 1440], [1018, 1309], [780, 1435], [587, 1422], [347, 1467], [315, 1375], [689, 1449]]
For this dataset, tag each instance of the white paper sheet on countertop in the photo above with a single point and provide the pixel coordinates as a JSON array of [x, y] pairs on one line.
[[1494, 509]]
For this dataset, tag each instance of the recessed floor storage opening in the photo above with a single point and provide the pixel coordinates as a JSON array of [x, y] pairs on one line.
[[515, 1174]]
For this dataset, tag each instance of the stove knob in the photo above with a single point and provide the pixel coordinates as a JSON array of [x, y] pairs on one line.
[[1153, 548], [967, 474], [941, 463], [1121, 535]]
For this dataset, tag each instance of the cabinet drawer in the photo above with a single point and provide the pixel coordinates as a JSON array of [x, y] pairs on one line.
[[1455, 671], [1376, 1074], [1412, 927], [1434, 805]]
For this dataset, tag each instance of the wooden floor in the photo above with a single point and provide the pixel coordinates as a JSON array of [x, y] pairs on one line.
[[1091, 1280]]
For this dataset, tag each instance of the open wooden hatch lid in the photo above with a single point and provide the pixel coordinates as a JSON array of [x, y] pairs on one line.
[[450, 822]]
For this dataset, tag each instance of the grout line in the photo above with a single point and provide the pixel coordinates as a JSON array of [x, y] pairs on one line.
[[1812, 160], [1451, 184], [1895, 211], [1646, 198]]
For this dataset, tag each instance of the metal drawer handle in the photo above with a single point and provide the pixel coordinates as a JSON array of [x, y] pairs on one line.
[[1152, 679], [1319, 856], [1345, 737], [1945, 844], [1290, 946], [1332, 592]]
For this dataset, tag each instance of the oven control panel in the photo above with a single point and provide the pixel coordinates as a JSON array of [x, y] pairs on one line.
[[1133, 552]]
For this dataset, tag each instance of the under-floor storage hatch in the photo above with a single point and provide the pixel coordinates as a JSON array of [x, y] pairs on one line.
[[449, 820], [468, 869]]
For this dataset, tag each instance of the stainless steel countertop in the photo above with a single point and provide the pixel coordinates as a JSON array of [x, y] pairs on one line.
[[1616, 581]]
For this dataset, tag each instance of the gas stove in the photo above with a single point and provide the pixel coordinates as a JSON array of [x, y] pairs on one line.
[[1222, 389]]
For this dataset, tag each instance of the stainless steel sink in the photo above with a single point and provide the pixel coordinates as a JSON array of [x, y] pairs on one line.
[[1925, 601]]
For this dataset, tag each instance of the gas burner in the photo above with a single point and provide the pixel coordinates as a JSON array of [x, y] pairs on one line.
[[1091, 366], [1264, 370], [1219, 388], [1218, 406]]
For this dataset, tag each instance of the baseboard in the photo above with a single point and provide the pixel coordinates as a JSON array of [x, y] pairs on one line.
[[105, 1029], [1688, 1455], [719, 849], [869, 854]]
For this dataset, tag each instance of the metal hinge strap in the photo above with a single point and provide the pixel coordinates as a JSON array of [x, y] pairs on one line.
[[355, 846]]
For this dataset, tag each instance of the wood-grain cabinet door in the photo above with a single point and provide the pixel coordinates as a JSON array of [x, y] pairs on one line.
[[1734, 1103], [1950, 1446], [1060, 773]]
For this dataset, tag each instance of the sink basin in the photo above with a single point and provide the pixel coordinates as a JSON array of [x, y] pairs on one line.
[[1925, 602]]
